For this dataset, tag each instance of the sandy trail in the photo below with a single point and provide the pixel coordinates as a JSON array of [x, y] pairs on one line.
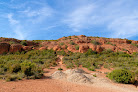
[[52, 85]]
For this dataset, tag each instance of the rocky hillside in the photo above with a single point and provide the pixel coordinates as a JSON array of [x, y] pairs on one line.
[[72, 43]]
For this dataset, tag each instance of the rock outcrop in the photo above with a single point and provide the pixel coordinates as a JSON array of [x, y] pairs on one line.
[[27, 48], [15, 48], [4, 47], [83, 48]]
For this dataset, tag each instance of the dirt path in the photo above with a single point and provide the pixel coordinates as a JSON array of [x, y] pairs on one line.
[[52, 85]]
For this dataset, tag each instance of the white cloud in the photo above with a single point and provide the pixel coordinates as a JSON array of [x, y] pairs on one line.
[[16, 27], [38, 15], [119, 17], [124, 27], [11, 20], [79, 18]]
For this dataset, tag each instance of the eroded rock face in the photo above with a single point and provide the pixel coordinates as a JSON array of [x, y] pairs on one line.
[[43, 48], [57, 48], [93, 47], [27, 48], [15, 48], [4, 47], [135, 42], [99, 49], [71, 48], [83, 48]]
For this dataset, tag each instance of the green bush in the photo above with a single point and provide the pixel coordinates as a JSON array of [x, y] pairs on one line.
[[60, 69], [72, 43], [77, 47], [90, 52], [122, 76], [24, 43], [31, 69], [95, 42], [61, 44]]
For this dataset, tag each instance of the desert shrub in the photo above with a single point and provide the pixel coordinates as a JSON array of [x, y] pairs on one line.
[[61, 44], [107, 51], [14, 68], [24, 43], [77, 47], [63, 53], [94, 75], [90, 52], [129, 41], [12, 42], [122, 76], [11, 77], [110, 43], [136, 74], [92, 68], [95, 42], [60, 68], [31, 69], [124, 55], [1, 71], [66, 46], [134, 44], [72, 43]]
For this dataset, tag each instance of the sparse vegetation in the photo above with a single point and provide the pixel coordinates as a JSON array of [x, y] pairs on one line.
[[95, 42], [111, 43], [60, 69], [26, 65], [135, 45], [24, 43], [72, 43], [77, 47], [61, 44]]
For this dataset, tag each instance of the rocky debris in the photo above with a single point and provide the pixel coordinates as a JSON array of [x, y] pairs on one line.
[[64, 47], [72, 75], [30, 43], [15, 48], [83, 48], [93, 47], [58, 75], [78, 78], [81, 41], [71, 48], [108, 46], [27, 48], [43, 48], [4, 47], [57, 48], [72, 71]]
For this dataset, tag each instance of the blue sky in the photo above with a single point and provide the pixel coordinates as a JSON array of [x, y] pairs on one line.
[[52, 19]]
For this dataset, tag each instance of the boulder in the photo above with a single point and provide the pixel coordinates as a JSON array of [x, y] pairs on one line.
[[93, 47], [4, 47], [57, 48], [27, 48], [43, 48], [71, 48], [99, 49], [83, 48], [15, 48]]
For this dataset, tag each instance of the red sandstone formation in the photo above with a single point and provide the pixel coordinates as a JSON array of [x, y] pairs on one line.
[[15, 48], [82, 41], [4, 47]]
